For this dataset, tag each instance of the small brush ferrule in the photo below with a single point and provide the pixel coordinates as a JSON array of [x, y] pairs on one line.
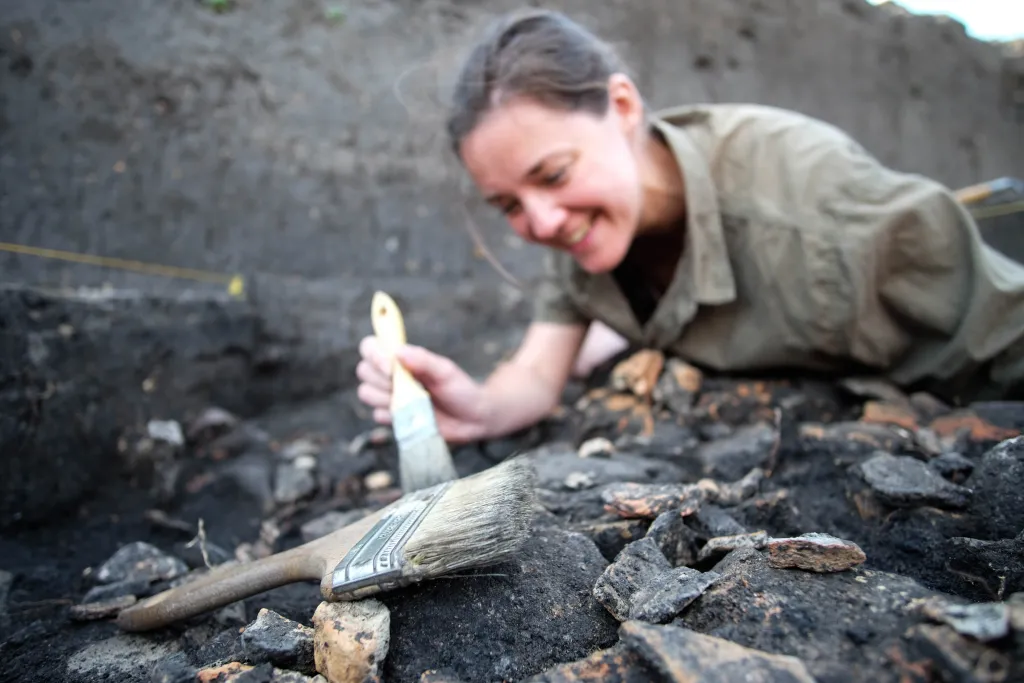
[[376, 562], [415, 420]]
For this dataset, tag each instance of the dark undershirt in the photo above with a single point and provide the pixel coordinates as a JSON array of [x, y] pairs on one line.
[[647, 270]]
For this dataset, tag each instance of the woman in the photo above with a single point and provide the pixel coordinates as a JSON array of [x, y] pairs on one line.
[[741, 238]]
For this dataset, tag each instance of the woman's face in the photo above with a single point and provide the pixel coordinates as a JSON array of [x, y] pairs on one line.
[[565, 180]]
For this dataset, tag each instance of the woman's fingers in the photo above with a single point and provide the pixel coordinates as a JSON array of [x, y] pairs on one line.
[[370, 374]]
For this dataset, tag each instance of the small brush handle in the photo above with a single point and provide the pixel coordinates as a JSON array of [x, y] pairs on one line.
[[389, 327]]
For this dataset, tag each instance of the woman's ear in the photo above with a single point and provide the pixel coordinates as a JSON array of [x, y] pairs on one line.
[[625, 103]]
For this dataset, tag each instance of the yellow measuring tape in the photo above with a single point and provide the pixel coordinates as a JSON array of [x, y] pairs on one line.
[[235, 283]]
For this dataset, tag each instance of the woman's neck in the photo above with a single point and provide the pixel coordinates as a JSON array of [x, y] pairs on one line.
[[663, 187]]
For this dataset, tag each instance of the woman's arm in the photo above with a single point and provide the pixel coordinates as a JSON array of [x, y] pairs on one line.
[[527, 387]]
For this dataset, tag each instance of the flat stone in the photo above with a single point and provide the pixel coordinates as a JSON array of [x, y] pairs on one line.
[[722, 545], [101, 609], [952, 467], [140, 561], [711, 521], [279, 641], [117, 589], [650, 500], [958, 658], [814, 552], [681, 655], [617, 664], [904, 481], [734, 456], [997, 506], [676, 540], [678, 386], [642, 584], [351, 640], [981, 621]]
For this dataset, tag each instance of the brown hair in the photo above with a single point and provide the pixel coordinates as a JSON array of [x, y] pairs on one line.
[[539, 54]]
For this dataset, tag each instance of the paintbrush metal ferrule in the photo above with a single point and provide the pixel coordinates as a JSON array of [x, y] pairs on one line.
[[377, 562], [413, 422]]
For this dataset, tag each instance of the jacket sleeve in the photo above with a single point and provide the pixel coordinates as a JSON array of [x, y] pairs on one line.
[[942, 306]]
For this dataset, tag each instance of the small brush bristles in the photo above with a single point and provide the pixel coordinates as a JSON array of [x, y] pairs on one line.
[[425, 463], [482, 519]]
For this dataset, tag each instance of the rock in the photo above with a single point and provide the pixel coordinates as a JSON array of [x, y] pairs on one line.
[[140, 561], [958, 658], [638, 373], [6, 579], [734, 493], [982, 622], [279, 641], [952, 466], [642, 584], [292, 483], [617, 664], [118, 589], [174, 669], [101, 609], [712, 521], [681, 655], [505, 622], [211, 423], [733, 457], [853, 438], [903, 481], [676, 540], [647, 501], [352, 640], [598, 447], [722, 545], [554, 469], [839, 624], [611, 537], [998, 506], [814, 552], [678, 386], [120, 657], [989, 568]]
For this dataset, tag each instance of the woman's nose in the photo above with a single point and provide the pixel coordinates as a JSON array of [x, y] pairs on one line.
[[546, 219]]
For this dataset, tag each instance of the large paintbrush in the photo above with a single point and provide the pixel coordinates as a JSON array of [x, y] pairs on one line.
[[476, 521], [423, 455]]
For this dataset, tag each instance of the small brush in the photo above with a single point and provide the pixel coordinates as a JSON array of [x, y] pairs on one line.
[[476, 521], [423, 456]]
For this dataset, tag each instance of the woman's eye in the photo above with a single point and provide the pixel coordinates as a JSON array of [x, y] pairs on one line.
[[554, 178]]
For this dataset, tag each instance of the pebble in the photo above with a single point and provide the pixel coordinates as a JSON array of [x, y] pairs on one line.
[[721, 545], [814, 552], [650, 500], [279, 641], [351, 640], [378, 481], [140, 561], [904, 481]]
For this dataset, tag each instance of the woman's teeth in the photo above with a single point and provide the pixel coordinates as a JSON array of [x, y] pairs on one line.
[[581, 232]]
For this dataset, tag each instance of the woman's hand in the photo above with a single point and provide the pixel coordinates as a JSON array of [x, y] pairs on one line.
[[459, 401]]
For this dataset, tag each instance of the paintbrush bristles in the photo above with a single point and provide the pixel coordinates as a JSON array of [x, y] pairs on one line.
[[482, 519], [424, 463]]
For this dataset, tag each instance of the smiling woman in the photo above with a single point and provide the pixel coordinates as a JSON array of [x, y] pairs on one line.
[[738, 237]]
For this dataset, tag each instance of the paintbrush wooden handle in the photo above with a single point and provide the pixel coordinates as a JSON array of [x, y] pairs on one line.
[[221, 586], [389, 327]]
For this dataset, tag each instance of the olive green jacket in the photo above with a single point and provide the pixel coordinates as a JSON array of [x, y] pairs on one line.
[[803, 252]]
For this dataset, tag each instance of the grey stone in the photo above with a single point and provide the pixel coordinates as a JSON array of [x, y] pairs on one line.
[[140, 561], [116, 589], [904, 481], [279, 641], [732, 457]]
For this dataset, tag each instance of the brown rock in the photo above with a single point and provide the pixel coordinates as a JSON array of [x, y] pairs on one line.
[[967, 423], [647, 501], [958, 658], [678, 386], [222, 674], [616, 664], [855, 437], [685, 656], [883, 412], [639, 373], [101, 609], [351, 640], [814, 552]]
